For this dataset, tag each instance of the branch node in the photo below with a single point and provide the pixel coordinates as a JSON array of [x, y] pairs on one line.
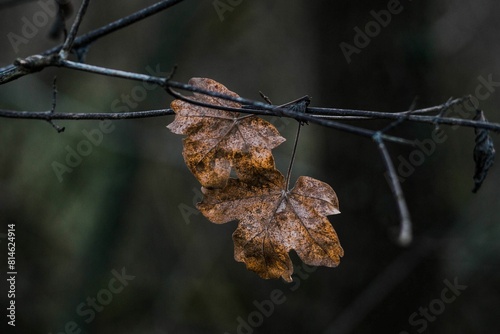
[[377, 137], [169, 77], [32, 63], [444, 107]]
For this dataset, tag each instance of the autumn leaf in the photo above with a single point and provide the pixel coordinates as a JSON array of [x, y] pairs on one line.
[[273, 221], [218, 140]]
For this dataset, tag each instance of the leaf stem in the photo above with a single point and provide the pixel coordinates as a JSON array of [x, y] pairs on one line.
[[289, 172]]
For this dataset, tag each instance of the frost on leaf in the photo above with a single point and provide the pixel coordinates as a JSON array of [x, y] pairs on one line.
[[273, 221], [219, 140]]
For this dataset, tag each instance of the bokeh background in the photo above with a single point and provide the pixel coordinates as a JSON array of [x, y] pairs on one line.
[[129, 204]]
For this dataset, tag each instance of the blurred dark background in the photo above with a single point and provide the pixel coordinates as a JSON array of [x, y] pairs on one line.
[[127, 207]]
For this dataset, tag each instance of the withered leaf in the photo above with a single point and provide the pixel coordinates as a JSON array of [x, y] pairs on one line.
[[484, 152], [273, 221], [218, 140]]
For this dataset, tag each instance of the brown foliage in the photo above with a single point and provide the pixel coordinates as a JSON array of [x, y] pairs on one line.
[[218, 140], [272, 219]]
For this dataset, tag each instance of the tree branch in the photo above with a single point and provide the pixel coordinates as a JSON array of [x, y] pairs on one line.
[[49, 116], [274, 111], [13, 72], [314, 115]]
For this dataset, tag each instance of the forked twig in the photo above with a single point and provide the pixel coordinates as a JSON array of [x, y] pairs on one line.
[[405, 231], [273, 111]]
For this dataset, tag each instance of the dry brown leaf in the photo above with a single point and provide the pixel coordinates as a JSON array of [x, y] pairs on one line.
[[218, 140], [273, 221]]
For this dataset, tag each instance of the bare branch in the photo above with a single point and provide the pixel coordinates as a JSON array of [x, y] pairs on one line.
[[36, 63], [14, 71], [365, 114], [94, 35], [39, 62], [274, 111], [49, 115]]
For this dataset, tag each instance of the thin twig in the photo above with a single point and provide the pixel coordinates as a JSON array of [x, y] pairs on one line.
[[274, 111], [401, 119], [405, 232], [68, 42], [265, 98], [373, 115], [111, 72], [341, 112], [441, 112], [349, 114], [292, 159], [48, 115], [54, 95], [109, 28], [58, 128]]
